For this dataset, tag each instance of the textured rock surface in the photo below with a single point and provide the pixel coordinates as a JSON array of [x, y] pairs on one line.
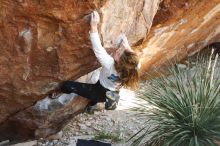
[[181, 28], [44, 42]]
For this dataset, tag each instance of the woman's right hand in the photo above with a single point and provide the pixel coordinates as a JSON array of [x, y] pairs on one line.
[[94, 21]]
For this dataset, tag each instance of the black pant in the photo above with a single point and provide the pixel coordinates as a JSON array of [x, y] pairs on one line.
[[94, 92]]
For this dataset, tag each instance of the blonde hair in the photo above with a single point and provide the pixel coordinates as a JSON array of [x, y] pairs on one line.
[[127, 67]]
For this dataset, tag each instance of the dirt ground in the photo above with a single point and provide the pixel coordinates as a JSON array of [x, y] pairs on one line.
[[115, 127]]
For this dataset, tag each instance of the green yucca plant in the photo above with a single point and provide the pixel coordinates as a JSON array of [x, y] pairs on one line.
[[184, 107]]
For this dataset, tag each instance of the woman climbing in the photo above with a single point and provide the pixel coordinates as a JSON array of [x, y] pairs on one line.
[[118, 70]]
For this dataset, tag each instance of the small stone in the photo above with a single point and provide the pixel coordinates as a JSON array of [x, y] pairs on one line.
[[88, 124], [72, 141], [56, 136], [4, 142], [90, 132], [82, 126], [108, 119]]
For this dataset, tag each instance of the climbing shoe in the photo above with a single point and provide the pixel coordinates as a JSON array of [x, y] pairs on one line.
[[112, 98]]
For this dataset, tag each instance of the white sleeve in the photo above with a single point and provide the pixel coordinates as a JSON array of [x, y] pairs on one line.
[[103, 57]]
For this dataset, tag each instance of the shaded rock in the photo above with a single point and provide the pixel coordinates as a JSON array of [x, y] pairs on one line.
[[46, 117]]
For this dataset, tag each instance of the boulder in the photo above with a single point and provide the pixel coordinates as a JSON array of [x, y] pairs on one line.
[[180, 29], [45, 42]]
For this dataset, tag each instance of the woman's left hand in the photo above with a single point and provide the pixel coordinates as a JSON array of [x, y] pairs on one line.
[[95, 18]]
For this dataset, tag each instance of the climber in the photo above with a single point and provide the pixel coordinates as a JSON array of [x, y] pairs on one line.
[[118, 70]]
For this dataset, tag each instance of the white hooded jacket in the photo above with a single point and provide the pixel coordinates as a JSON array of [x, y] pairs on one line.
[[108, 75]]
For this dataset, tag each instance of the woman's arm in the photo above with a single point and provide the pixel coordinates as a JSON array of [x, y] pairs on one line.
[[104, 58]]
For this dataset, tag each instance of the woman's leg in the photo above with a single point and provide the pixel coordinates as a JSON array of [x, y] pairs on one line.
[[94, 92]]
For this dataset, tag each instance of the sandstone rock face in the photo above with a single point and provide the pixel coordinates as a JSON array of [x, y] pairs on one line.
[[44, 42], [181, 28]]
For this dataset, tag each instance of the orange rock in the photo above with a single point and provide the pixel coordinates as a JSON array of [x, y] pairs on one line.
[[44, 42], [181, 28]]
